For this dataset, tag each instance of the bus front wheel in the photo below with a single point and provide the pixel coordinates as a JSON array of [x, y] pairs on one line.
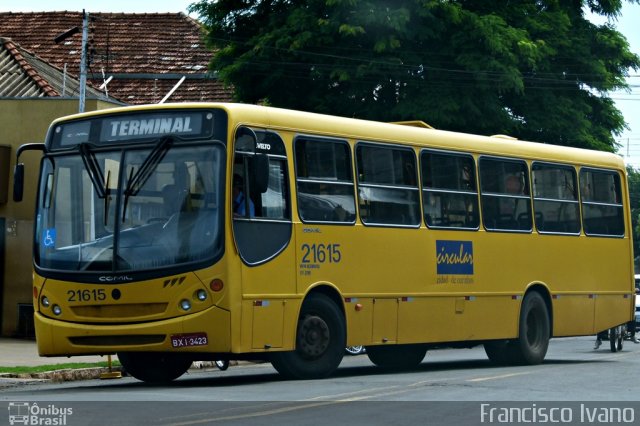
[[154, 367], [320, 341]]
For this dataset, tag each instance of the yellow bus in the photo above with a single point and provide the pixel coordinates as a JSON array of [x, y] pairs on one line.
[[174, 233]]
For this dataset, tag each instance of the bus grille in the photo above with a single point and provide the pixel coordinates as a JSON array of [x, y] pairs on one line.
[[129, 340], [131, 310]]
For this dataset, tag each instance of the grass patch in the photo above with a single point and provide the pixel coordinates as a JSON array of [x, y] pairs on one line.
[[53, 367]]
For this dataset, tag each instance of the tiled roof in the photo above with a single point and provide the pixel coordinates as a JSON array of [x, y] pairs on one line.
[[25, 75], [146, 54]]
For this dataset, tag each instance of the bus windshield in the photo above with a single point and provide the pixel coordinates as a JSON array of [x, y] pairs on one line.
[[130, 208]]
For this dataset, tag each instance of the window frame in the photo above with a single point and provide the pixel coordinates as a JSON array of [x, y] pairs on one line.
[[620, 205], [424, 189], [351, 183], [504, 195], [557, 200], [398, 147], [282, 158]]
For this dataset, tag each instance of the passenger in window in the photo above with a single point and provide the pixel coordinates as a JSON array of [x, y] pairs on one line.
[[239, 200], [513, 185], [585, 191], [466, 177]]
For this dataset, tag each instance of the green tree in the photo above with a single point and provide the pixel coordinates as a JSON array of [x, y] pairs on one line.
[[534, 69]]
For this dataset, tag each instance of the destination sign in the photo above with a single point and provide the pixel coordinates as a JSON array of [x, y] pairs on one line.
[[134, 127], [127, 127]]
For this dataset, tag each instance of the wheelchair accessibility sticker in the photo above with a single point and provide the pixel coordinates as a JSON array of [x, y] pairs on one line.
[[49, 238]]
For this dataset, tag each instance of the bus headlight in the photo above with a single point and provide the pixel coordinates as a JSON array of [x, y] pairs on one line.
[[201, 295], [185, 304], [45, 301], [56, 310]]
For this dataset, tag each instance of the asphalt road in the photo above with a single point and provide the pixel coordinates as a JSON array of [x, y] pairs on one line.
[[575, 385]]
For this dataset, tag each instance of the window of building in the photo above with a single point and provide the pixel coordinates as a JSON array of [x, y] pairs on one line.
[[449, 190]]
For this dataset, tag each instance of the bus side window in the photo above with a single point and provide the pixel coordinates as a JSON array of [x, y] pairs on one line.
[[261, 182], [602, 210], [260, 237], [324, 180], [506, 204], [449, 192], [555, 198], [387, 190]]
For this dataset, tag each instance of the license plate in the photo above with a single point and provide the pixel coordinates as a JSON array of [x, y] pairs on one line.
[[186, 340]]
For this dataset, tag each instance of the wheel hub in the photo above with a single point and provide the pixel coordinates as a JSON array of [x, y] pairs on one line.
[[313, 337]]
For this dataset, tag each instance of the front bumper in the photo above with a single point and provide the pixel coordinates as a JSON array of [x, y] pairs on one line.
[[60, 338]]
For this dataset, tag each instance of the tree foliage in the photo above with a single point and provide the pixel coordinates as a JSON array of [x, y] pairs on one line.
[[534, 69]]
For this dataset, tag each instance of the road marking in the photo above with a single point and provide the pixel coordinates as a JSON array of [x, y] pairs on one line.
[[502, 376], [256, 414], [378, 392]]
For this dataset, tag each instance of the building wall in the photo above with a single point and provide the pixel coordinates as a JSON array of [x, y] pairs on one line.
[[23, 121]]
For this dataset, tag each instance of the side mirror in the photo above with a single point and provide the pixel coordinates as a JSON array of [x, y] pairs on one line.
[[18, 182], [260, 172], [18, 171]]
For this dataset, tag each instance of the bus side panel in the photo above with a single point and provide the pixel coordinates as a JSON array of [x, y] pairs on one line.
[[267, 289], [385, 320], [359, 315], [573, 314], [454, 318], [612, 310]]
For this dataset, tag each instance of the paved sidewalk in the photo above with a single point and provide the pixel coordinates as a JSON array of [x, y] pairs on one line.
[[24, 353]]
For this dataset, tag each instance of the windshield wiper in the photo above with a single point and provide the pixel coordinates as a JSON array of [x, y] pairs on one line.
[[93, 169], [138, 179]]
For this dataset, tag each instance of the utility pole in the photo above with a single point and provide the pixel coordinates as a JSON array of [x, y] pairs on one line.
[[83, 60]]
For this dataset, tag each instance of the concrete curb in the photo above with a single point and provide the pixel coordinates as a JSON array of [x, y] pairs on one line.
[[73, 374], [66, 375]]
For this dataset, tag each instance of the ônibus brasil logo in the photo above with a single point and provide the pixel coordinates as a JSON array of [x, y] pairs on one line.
[[26, 413]]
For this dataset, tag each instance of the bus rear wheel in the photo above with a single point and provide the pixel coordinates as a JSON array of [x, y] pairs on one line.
[[320, 341], [396, 357], [154, 367], [533, 335]]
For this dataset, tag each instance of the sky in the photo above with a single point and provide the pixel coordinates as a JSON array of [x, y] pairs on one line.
[[627, 24]]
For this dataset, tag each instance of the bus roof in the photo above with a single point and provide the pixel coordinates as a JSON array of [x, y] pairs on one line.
[[365, 130]]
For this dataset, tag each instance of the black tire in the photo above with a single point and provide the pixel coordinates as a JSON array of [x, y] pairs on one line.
[[396, 357], [613, 337], [320, 341], [154, 367], [499, 351], [534, 331]]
